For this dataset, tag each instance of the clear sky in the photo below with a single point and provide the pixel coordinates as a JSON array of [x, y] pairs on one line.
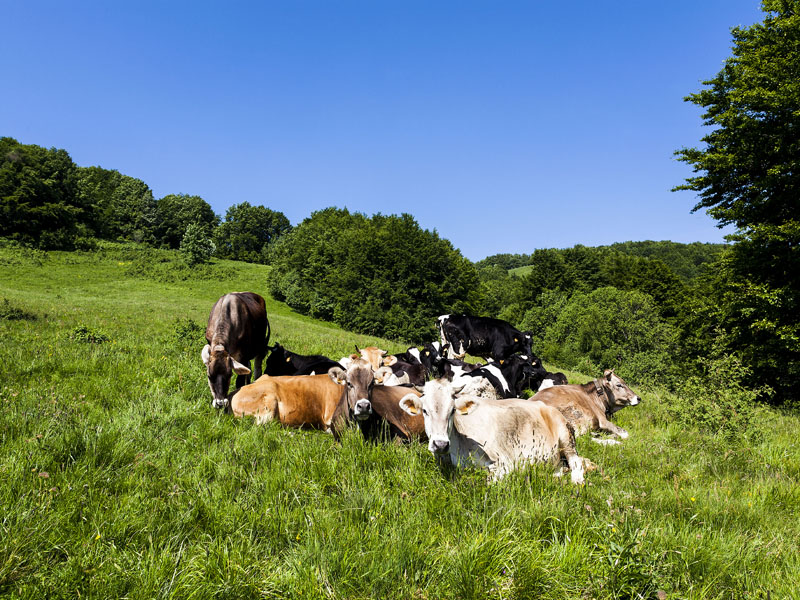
[[506, 126]]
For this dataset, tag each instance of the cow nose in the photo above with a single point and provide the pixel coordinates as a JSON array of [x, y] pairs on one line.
[[363, 408], [635, 400], [218, 403], [440, 446]]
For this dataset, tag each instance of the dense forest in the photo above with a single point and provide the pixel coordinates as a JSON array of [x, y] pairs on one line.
[[660, 312]]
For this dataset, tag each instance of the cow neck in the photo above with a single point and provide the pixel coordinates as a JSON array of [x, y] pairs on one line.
[[602, 393]]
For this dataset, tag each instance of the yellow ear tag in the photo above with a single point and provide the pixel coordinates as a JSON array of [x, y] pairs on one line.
[[516, 340], [289, 359], [502, 361]]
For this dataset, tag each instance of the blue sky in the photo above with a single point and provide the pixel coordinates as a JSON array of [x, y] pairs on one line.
[[505, 126]]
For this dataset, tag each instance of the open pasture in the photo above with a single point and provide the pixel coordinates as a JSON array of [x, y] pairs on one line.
[[118, 479]]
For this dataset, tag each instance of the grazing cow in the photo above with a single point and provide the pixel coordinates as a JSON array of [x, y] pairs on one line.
[[283, 362], [386, 409], [482, 336], [237, 331], [497, 434], [314, 402], [588, 407]]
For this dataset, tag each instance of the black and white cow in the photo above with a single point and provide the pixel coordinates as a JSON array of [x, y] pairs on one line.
[[284, 362], [482, 336], [512, 375]]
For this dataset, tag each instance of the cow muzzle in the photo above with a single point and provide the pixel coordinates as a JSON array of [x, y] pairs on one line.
[[439, 446], [362, 409], [635, 400], [219, 402]]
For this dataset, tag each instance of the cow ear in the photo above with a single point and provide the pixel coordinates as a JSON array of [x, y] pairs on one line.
[[608, 373], [337, 375], [206, 354], [383, 352], [411, 404], [456, 388], [382, 374], [239, 368], [465, 406]]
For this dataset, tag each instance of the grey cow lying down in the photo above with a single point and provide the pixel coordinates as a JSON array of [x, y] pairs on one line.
[[497, 434], [589, 407]]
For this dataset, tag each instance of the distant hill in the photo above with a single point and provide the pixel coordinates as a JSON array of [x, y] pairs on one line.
[[685, 260]]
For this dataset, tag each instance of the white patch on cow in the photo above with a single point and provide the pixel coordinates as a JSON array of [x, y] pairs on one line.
[[635, 401], [523, 356], [345, 361], [415, 353], [606, 442], [527, 337], [438, 346], [499, 374], [546, 383], [393, 379], [442, 318]]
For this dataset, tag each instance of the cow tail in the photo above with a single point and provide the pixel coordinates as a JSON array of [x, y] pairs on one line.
[[269, 333]]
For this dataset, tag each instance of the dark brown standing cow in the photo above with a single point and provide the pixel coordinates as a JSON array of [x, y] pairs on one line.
[[588, 407], [237, 332]]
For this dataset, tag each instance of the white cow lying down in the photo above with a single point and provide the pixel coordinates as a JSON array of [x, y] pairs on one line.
[[497, 434]]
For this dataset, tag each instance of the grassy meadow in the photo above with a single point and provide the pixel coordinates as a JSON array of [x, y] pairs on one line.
[[118, 479]]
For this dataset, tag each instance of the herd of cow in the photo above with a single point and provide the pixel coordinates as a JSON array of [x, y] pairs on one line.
[[471, 412]]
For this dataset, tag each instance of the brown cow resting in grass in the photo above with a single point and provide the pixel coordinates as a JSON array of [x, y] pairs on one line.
[[309, 401], [588, 407]]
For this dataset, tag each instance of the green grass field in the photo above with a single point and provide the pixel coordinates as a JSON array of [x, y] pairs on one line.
[[118, 479]]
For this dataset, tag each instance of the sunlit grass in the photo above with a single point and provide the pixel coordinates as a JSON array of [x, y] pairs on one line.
[[118, 479]]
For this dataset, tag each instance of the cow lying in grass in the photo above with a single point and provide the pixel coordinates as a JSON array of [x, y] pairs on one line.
[[497, 434], [309, 401], [589, 407]]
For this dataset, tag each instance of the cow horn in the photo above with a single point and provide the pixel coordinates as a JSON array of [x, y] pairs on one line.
[[218, 348]]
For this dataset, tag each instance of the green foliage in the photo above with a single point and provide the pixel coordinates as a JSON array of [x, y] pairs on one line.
[[38, 204], [382, 275], [189, 332], [749, 177], [687, 261], [606, 328], [119, 480], [717, 401], [196, 245], [11, 312], [176, 212], [87, 335], [121, 207], [247, 232]]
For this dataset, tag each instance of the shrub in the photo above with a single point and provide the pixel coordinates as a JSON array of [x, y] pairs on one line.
[[196, 245], [86, 335], [189, 332], [716, 401], [10, 312]]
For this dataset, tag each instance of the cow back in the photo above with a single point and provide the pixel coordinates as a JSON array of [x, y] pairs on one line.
[[238, 322]]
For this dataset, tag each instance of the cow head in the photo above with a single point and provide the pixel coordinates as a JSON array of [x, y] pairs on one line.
[[373, 355], [276, 360], [432, 357], [220, 366], [438, 405], [618, 394], [357, 380]]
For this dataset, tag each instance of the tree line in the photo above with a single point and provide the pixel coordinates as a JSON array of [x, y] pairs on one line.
[[49, 202], [659, 311]]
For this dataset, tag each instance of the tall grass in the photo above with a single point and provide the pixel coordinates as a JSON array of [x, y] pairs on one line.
[[118, 479]]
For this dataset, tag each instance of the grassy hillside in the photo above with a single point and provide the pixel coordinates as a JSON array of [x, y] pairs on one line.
[[117, 478]]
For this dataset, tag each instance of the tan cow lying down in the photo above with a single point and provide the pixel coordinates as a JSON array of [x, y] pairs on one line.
[[309, 401], [497, 434], [588, 407]]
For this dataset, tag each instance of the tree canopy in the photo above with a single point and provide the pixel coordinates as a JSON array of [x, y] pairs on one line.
[[248, 230], [748, 175], [177, 211]]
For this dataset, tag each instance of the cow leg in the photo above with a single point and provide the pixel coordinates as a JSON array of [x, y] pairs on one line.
[[258, 364], [609, 427], [568, 453]]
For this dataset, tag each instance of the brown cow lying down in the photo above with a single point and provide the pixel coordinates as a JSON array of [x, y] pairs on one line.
[[498, 434], [386, 409], [588, 407], [309, 401]]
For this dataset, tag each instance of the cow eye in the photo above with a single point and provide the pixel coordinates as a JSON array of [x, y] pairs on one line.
[[425, 412]]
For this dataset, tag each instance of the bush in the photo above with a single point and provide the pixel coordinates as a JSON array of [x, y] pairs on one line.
[[716, 402], [86, 335], [603, 329], [196, 245], [10, 312], [189, 332]]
